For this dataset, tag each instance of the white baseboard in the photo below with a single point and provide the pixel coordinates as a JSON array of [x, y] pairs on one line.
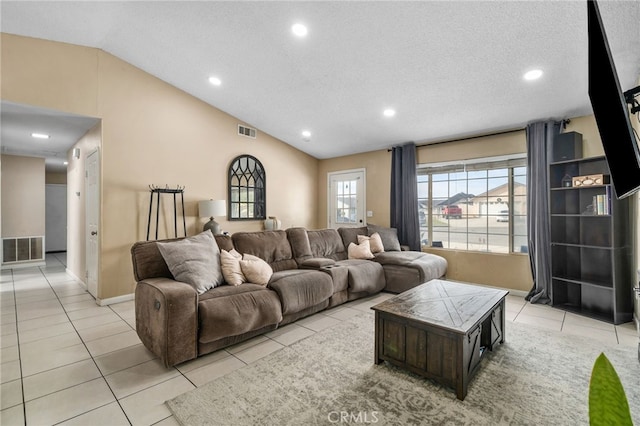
[[117, 299], [520, 293]]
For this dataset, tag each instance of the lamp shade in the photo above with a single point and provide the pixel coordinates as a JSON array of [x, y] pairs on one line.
[[212, 208]]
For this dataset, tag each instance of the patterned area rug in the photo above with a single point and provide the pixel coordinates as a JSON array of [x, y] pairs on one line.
[[536, 377]]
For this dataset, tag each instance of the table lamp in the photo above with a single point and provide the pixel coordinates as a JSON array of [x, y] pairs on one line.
[[212, 208]]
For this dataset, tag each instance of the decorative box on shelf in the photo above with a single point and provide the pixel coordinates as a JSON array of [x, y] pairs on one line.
[[590, 180]]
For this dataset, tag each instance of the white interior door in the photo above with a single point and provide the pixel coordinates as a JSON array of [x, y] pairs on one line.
[[93, 219], [346, 203], [55, 218]]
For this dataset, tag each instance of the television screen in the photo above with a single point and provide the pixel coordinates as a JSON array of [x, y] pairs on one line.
[[610, 109]]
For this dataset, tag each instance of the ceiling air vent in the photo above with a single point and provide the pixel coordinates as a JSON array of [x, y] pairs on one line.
[[246, 131]]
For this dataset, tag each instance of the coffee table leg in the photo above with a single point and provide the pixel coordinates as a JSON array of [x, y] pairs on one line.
[[378, 340], [502, 324]]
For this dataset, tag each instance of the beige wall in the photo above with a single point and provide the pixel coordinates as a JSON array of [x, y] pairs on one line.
[[152, 133], [23, 204], [510, 271]]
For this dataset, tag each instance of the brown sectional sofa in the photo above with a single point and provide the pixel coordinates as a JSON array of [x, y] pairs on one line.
[[311, 272]]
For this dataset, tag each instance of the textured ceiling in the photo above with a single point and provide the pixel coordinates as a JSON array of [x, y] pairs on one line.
[[450, 69]]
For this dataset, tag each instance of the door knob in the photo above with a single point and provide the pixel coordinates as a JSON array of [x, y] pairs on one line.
[[94, 232]]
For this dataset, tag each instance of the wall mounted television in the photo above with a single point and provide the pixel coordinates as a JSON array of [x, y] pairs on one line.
[[610, 109]]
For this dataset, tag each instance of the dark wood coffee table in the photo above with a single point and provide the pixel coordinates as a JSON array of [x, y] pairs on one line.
[[440, 330]]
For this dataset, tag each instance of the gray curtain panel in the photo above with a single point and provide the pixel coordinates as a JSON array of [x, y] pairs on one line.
[[404, 195], [540, 136]]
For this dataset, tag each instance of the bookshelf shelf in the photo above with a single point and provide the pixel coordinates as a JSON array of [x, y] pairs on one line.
[[591, 257]]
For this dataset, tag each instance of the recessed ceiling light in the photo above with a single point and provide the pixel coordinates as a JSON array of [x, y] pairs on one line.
[[66, 163], [533, 75], [215, 81], [306, 134], [389, 112], [300, 30], [39, 136]]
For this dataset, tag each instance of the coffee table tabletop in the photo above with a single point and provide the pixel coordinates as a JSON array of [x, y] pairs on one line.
[[448, 304]]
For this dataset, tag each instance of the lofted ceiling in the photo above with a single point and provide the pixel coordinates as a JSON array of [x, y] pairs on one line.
[[450, 69]]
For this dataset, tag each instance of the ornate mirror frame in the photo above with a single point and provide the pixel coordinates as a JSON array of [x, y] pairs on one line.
[[247, 189]]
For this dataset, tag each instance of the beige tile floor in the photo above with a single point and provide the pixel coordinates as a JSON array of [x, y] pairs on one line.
[[65, 360]]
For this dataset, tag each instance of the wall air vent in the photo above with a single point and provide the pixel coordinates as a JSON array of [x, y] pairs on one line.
[[22, 249], [246, 131]]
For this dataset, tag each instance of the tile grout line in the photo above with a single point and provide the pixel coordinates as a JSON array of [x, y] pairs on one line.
[[15, 304]]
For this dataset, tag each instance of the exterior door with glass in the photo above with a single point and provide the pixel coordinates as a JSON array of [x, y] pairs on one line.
[[346, 203]]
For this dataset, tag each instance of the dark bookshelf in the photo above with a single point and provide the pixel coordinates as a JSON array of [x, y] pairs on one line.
[[591, 246]]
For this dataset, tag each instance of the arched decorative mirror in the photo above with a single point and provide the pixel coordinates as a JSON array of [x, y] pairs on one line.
[[247, 189]]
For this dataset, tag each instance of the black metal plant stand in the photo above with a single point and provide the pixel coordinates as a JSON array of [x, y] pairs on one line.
[[166, 190]]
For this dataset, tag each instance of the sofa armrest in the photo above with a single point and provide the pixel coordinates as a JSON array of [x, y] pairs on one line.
[[167, 319], [317, 263]]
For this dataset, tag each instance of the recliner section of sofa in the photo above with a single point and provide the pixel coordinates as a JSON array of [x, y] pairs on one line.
[[316, 248], [403, 269], [311, 272], [299, 290]]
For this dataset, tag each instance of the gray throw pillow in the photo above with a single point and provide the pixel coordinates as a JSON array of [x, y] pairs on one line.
[[194, 260], [389, 237]]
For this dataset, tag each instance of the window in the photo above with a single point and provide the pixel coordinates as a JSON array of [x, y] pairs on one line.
[[247, 181], [475, 205]]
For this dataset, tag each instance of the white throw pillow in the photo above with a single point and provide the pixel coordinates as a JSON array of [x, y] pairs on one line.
[[194, 260], [375, 242], [231, 270], [360, 251], [256, 270]]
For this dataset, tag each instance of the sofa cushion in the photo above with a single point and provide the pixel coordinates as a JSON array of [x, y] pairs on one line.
[[375, 242], [194, 260], [299, 289], [299, 241], [255, 270], [388, 235], [350, 235], [271, 246], [230, 311], [360, 251], [364, 275], [327, 243], [231, 270], [224, 242], [406, 269]]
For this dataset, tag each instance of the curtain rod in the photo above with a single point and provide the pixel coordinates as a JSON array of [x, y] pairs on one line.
[[563, 123], [469, 137]]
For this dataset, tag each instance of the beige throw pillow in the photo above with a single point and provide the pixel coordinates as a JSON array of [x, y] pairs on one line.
[[231, 270], [375, 242], [256, 270], [360, 251]]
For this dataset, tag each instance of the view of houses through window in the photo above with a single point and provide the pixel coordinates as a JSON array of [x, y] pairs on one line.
[[476, 206]]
